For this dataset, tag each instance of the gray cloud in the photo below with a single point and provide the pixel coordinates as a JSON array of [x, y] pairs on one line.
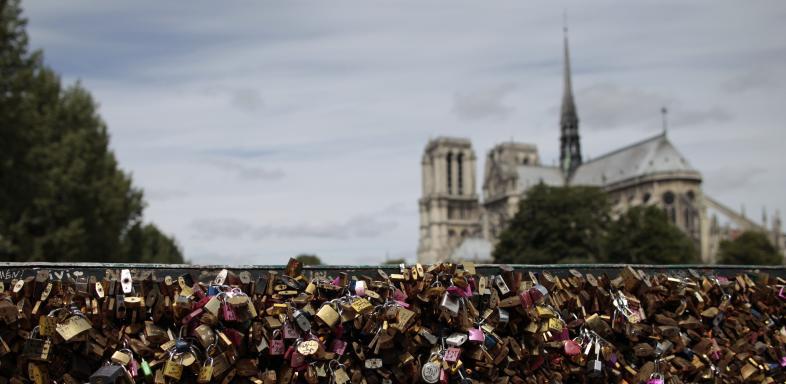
[[164, 194], [246, 99], [227, 228], [761, 78], [608, 106], [484, 103], [732, 178], [359, 226], [249, 172]]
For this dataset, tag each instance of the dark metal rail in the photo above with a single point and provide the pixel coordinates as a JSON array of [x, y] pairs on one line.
[[70, 271]]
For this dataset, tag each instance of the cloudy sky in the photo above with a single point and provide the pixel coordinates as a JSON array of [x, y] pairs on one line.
[[260, 130]]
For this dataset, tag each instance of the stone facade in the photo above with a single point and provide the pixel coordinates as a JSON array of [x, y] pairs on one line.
[[449, 208]]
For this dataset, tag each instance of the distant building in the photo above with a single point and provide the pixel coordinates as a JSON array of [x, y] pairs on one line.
[[456, 225]]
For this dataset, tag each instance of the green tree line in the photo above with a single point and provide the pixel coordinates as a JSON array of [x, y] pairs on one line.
[[63, 196], [575, 225]]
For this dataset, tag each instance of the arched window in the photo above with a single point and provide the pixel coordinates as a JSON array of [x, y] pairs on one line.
[[450, 173], [668, 197], [460, 161]]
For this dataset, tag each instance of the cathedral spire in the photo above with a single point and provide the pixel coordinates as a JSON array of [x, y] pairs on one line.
[[570, 147]]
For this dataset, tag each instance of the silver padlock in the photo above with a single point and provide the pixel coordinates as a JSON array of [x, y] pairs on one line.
[[501, 285], [504, 316], [451, 304], [456, 339], [302, 320]]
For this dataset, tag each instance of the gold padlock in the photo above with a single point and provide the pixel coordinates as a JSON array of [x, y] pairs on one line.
[[173, 369], [328, 315], [206, 372], [121, 357]]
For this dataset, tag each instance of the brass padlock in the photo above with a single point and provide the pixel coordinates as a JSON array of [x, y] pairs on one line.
[[121, 357], [206, 372], [328, 315], [173, 369]]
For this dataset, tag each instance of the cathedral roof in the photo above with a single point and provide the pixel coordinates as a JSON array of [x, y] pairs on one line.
[[652, 156], [531, 175]]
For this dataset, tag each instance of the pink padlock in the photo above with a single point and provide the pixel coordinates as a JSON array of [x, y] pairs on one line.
[[289, 331], [360, 288], [655, 378], [452, 354], [476, 335], [781, 294], [399, 295], [783, 361], [277, 346], [338, 346]]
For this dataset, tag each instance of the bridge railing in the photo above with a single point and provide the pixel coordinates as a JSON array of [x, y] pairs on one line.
[[67, 271]]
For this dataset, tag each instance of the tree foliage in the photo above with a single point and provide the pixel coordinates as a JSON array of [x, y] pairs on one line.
[[62, 194], [644, 235], [308, 259], [573, 225], [556, 225], [750, 248], [395, 261]]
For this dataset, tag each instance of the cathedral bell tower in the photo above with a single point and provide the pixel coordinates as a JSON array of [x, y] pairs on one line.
[[449, 206], [570, 147]]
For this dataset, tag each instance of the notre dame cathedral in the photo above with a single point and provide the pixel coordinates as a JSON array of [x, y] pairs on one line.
[[456, 224]]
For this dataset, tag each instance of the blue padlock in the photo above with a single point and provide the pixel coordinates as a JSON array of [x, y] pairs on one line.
[[490, 343]]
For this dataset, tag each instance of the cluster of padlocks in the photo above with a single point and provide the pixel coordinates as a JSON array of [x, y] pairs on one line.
[[441, 323]]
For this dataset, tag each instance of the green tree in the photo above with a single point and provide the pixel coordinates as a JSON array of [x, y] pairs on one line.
[[146, 244], [62, 194], [556, 225], [395, 261], [644, 235], [308, 259], [750, 248]]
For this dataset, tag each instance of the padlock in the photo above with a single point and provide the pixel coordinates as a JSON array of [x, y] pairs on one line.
[[147, 372], [289, 331], [35, 348], [277, 347], [501, 285], [430, 372], [173, 369], [121, 357], [328, 315], [107, 374], [227, 312], [373, 363], [450, 303], [340, 376], [452, 354], [206, 371], [302, 320], [205, 335], [655, 378], [476, 335], [338, 346]]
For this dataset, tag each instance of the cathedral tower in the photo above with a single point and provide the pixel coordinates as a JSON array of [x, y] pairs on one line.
[[570, 147], [449, 207]]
